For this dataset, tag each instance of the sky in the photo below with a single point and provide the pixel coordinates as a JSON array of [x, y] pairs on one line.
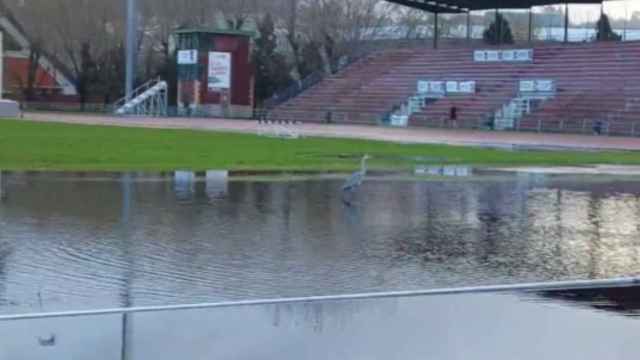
[[618, 7], [591, 12], [613, 8]]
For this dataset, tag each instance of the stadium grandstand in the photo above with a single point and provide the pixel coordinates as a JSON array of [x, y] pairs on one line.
[[578, 87]]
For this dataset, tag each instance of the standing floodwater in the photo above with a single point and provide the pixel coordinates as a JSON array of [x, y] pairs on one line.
[[77, 241]]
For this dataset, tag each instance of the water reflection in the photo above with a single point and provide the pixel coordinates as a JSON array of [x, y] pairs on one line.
[[624, 301], [445, 170], [111, 240], [216, 184], [3, 191], [183, 182]]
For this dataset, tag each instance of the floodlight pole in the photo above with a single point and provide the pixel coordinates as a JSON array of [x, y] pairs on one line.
[[130, 47]]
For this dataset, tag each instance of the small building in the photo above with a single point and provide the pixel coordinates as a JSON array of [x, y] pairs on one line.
[[216, 74]]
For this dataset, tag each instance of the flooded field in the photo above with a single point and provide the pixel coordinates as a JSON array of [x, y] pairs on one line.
[[71, 241]]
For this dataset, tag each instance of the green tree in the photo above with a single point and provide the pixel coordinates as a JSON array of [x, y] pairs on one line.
[[499, 32], [272, 69], [604, 30], [311, 58]]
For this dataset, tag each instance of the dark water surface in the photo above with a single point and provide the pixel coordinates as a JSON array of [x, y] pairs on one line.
[[82, 241]]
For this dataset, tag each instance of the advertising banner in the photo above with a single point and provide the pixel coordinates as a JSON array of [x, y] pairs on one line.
[[219, 71], [423, 87], [468, 87], [187, 57]]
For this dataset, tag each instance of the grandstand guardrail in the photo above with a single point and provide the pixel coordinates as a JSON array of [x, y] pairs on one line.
[[603, 127], [297, 87]]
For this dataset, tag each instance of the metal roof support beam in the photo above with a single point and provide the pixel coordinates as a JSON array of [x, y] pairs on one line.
[[435, 30], [530, 25], [431, 6], [601, 23], [566, 22], [468, 26], [460, 6], [498, 28]]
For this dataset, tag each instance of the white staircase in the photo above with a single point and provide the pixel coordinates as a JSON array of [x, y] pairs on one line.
[[509, 115], [401, 116], [531, 92], [149, 99]]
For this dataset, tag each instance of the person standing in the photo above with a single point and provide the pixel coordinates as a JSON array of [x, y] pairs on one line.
[[453, 117]]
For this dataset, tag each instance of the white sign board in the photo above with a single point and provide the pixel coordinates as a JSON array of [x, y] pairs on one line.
[[436, 87], [527, 85], [544, 85], [480, 56], [452, 86], [467, 87], [519, 55], [493, 55], [508, 55], [187, 57], [423, 87], [540, 86], [523, 55], [219, 71]]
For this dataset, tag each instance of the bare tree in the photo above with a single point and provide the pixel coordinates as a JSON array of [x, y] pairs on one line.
[[87, 35], [80, 33]]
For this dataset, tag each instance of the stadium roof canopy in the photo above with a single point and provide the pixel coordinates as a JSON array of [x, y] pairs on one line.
[[460, 6]]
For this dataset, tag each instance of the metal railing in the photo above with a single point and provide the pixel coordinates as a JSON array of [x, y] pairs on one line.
[[487, 122], [136, 92], [193, 331], [525, 287], [297, 87]]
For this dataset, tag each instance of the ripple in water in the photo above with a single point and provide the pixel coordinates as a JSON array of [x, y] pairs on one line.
[[91, 240]]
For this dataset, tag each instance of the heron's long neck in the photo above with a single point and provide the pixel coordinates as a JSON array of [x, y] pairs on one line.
[[363, 166]]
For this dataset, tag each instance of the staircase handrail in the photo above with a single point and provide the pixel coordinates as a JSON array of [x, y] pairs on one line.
[[310, 80], [136, 92]]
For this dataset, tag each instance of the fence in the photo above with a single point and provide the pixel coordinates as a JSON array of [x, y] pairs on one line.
[[608, 127], [604, 127]]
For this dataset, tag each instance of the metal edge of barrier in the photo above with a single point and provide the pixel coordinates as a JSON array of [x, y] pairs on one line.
[[525, 287]]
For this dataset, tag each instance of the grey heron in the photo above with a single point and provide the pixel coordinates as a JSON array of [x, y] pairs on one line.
[[355, 180]]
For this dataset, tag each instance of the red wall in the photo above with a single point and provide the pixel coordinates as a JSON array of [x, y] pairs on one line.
[[15, 75], [242, 69]]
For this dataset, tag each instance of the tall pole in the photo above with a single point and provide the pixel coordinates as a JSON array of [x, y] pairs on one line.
[[498, 27], [566, 22], [469, 26], [1, 64], [435, 30], [626, 17], [530, 25], [131, 47], [601, 23]]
